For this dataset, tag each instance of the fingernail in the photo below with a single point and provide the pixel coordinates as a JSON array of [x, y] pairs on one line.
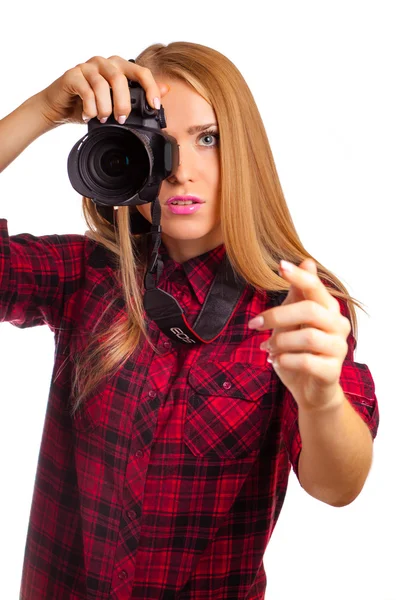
[[256, 322], [85, 118], [157, 103], [286, 266], [103, 120], [273, 361], [121, 119]]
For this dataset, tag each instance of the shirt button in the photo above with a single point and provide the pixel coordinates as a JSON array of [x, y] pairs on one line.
[[139, 454], [131, 514], [123, 575], [226, 385], [167, 345], [152, 394]]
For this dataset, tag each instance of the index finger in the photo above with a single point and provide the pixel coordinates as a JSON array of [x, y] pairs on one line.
[[309, 284], [144, 76]]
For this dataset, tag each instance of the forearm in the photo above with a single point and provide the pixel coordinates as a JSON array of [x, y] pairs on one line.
[[19, 129], [336, 454]]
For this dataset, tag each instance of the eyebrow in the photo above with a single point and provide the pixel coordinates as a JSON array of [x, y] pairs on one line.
[[198, 128]]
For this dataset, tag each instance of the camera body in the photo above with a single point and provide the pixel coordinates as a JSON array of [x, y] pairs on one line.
[[124, 165]]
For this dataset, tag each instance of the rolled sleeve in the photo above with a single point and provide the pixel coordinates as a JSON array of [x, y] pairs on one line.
[[358, 387], [37, 276]]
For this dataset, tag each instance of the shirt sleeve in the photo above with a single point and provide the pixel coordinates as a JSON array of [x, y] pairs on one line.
[[358, 386], [37, 276]]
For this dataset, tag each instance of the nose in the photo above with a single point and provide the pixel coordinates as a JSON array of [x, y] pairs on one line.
[[183, 171]]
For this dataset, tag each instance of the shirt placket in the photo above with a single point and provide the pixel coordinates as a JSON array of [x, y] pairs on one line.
[[151, 392]]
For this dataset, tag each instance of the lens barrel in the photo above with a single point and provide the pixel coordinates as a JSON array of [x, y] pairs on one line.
[[111, 163]]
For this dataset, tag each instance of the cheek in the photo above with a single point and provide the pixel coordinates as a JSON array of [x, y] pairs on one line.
[[216, 174]]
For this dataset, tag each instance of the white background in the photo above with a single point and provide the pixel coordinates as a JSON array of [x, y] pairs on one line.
[[333, 83]]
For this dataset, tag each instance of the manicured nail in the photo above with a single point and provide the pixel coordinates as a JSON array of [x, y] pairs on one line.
[[157, 103], [273, 361], [286, 266], [256, 322], [121, 119], [85, 118], [103, 120]]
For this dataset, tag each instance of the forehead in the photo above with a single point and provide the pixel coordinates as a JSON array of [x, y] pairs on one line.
[[184, 107]]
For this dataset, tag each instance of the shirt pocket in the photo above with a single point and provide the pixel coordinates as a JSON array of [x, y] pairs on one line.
[[224, 417]]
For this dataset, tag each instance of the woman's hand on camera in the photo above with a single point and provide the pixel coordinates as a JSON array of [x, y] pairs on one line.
[[83, 92]]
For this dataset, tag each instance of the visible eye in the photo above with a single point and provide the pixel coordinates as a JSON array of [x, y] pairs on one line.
[[210, 134]]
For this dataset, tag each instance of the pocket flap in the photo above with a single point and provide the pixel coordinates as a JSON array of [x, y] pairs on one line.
[[232, 379]]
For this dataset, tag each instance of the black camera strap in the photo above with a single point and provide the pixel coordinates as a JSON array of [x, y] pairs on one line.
[[220, 303]]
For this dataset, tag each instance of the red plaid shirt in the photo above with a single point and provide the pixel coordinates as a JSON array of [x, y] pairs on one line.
[[169, 482]]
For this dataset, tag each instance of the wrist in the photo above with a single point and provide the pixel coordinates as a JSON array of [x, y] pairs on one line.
[[335, 402], [39, 120], [20, 128]]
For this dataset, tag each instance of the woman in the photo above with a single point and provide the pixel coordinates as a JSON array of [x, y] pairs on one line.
[[163, 466]]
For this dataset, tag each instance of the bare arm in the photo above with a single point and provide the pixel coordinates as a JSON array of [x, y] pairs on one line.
[[82, 89], [20, 128], [337, 452]]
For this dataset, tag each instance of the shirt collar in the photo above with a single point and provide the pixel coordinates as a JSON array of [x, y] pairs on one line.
[[200, 270]]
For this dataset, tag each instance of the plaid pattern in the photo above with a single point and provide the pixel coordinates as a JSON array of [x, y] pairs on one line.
[[169, 481]]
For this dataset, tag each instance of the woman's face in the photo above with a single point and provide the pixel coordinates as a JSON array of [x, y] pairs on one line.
[[189, 235]]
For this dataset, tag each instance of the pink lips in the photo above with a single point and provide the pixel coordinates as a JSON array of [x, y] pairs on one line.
[[189, 209], [175, 198]]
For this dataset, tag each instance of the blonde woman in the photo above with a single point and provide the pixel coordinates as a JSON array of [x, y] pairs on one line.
[[164, 465]]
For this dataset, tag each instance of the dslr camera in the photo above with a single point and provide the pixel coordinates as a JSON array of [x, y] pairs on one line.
[[124, 165]]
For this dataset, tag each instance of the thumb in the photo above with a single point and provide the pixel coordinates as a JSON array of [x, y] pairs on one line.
[[294, 293], [309, 265]]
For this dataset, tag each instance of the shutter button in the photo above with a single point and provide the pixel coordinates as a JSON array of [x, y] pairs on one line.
[[226, 385]]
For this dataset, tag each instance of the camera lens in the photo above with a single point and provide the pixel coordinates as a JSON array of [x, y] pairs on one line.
[[114, 162]]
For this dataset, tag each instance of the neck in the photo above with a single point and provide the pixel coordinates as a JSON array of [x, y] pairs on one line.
[[183, 250]]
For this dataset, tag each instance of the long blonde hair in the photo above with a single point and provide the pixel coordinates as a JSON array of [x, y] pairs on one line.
[[257, 227]]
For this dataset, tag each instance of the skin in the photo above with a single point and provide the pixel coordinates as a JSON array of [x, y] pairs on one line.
[[307, 348], [308, 341], [186, 236]]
